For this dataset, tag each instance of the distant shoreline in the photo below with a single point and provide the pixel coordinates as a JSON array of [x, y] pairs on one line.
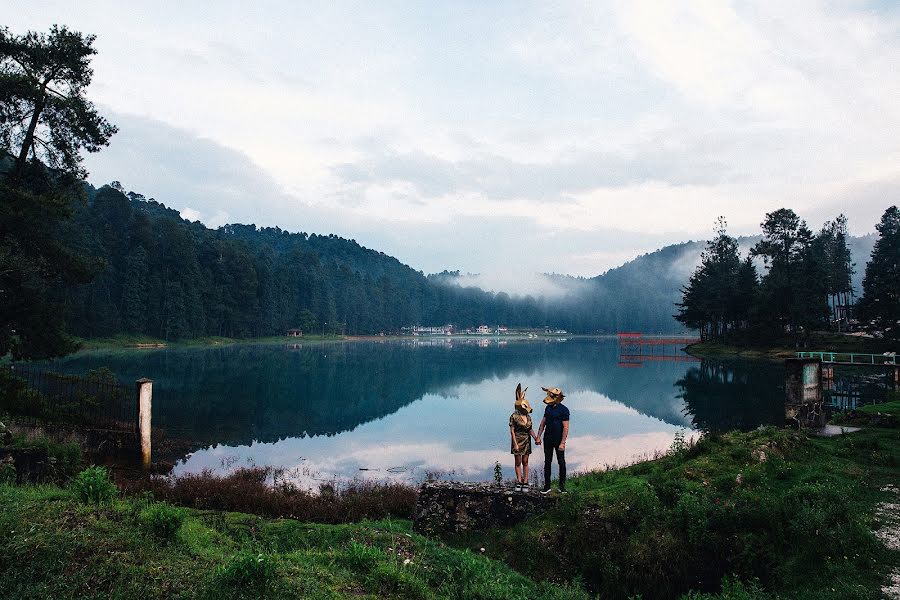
[[145, 343], [785, 347]]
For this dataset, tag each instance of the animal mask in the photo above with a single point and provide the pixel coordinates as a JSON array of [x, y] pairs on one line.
[[554, 395], [521, 403]]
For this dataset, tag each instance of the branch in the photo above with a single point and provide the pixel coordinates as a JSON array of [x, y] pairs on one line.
[[24, 67]]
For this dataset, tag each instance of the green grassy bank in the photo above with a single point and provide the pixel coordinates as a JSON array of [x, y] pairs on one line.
[[776, 348], [54, 546], [741, 516], [137, 341], [776, 513]]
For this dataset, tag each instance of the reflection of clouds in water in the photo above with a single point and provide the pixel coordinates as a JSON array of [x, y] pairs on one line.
[[463, 429], [602, 405], [381, 462], [586, 452]]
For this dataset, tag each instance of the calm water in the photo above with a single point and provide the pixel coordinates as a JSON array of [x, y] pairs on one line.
[[400, 409]]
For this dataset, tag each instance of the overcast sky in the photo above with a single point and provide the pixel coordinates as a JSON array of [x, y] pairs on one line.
[[497, 137]]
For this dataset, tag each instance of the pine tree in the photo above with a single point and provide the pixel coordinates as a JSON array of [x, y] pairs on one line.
[[879, 307]]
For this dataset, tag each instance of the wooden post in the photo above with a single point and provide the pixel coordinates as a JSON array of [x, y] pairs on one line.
[[144, 406]]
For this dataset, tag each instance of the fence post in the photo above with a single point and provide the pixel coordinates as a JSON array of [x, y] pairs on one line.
[[144, 410]]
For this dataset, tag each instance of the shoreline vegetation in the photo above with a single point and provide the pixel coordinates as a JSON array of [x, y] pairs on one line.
[[137, 342], [766, 514], [778, 348]]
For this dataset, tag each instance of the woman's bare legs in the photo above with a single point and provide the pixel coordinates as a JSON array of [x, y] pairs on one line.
[[519, 469], [524, 479]]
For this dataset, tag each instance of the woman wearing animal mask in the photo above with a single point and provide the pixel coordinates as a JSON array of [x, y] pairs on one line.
[[521, 433]]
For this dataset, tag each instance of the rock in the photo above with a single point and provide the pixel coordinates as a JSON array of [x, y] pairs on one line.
[[449, 507], [739, 479], [759, 454]]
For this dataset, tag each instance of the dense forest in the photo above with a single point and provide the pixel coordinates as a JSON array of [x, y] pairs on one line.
[[162, 276], [806, 281]]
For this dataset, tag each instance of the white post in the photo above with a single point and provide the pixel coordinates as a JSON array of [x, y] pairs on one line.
[[145, 403]]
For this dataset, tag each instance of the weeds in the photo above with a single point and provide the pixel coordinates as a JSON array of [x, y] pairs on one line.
[[161, 520], [93, 485], [248, 490]]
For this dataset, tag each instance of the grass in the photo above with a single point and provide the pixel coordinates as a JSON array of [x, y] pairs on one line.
[[137, 341], [774, 347], [716, 518], [52, 546], [260, 491]]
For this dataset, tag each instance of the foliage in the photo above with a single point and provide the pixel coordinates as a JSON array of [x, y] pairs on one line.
[[45, 122], [94, 485], [162, 520], [880, 304], [498, 473], [43, 108], [806, 283], [71, 551], [248, 490], [744, 514]]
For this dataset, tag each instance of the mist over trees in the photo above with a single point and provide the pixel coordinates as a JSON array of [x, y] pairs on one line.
[[806, 281]]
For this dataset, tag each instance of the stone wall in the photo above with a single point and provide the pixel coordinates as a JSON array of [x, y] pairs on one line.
[[449, 507]]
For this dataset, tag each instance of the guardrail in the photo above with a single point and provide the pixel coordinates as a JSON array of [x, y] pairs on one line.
[[852, 358]]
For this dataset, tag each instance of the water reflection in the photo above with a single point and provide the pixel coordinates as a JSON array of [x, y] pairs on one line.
[[399, 409]]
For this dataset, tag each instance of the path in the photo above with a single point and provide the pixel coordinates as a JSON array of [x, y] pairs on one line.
[[889, 533]]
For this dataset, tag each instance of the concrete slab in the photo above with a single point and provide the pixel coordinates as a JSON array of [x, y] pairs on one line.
[[833, 430]]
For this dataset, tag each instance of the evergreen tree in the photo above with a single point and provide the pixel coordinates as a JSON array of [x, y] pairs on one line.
[[879, 307], [45, 122]]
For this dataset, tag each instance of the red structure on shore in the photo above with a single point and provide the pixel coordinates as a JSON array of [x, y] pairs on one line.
[[635, 349]]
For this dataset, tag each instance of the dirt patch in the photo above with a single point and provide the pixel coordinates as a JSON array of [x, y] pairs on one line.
[[889, 534]]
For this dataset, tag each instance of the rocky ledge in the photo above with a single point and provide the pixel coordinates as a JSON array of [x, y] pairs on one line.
[[452, 507]]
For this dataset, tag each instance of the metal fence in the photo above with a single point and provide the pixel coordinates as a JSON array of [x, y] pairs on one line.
[[94, 402]]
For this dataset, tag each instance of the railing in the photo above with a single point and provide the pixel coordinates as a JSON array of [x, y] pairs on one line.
[[852, 358], [93, 402]]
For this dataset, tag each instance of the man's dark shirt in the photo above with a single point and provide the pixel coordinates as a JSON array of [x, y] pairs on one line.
[[554, 415]]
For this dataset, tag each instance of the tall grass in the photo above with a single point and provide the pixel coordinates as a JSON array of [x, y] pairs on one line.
[[248, 490]]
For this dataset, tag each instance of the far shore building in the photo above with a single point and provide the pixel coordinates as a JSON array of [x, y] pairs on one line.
[[429, 330], [295, 333]]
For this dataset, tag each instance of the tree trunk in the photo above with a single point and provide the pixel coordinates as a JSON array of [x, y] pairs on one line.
[[28, 142]]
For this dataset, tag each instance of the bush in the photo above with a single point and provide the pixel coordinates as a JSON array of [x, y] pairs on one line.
[[248, 570], [93, 485], [7, 473], [161, 520], [247, 490]]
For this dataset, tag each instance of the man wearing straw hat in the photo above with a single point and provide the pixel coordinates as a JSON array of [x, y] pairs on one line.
[[556, 423]]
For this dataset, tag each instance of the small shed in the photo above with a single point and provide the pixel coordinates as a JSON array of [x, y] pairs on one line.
[[295, 333]]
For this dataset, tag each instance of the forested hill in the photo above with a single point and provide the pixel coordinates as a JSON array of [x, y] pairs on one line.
[[165, 277]]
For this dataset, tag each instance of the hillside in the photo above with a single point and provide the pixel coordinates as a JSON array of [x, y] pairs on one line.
[[162, 276]]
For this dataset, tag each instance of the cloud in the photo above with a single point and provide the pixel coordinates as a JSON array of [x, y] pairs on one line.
[[497, 138]]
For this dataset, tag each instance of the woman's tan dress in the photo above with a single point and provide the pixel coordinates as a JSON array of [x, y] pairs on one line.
[[521, 425]]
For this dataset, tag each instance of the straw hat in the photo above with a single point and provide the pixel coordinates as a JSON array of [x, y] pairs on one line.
[[522, 404], [554, 395]]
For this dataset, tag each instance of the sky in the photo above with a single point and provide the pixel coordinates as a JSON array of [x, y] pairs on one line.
[[500, 138]]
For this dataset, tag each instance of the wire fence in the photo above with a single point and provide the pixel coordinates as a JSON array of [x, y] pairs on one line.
[[96, 401]]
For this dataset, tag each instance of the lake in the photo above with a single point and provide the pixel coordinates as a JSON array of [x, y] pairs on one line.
[[400, 409]]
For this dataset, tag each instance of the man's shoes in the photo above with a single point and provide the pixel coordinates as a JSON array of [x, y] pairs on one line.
[[545, 491], [563, 491]]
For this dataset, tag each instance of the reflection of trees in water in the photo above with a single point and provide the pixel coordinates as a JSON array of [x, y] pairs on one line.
[[237, 394], [720, 396]]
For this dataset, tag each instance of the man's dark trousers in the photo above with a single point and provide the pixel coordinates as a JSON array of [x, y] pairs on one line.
[[549, 447]]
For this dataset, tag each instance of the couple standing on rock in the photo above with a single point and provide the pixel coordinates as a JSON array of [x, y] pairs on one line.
[[555, 428]]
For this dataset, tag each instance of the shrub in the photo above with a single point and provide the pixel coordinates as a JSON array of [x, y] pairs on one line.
[[247, 490], [7, 473], [247, 570], [161, 520], [93, 485]]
